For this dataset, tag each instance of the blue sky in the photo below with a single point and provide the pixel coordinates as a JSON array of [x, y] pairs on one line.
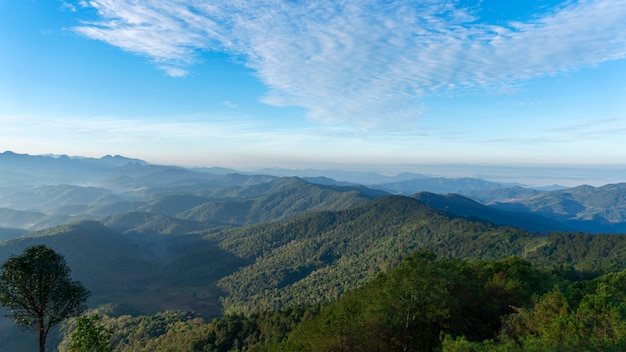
[[348, 84]]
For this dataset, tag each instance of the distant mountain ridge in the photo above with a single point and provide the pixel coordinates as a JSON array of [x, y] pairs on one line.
[[465, 207], [461, 185], [584, 208], [60, 189], [28, 159], [57, 168]]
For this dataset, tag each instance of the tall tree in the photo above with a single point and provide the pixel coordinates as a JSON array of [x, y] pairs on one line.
[[37, 288]]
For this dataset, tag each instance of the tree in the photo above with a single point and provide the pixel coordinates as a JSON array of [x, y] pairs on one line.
[[415, 302], [90, 335], [36, 287]]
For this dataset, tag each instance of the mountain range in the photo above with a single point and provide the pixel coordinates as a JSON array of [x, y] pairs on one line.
[[52, 190], [149, 238]]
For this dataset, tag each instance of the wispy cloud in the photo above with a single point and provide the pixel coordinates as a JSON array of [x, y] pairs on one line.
[[366, 62], [169, 32], [597, 129], [600, 131], [68, 7]]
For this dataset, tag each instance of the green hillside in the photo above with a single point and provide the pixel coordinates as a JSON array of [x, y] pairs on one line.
[[174, 204], [225, 212], [501, 305], [318, 257], [152, 262], [425, 304], [144, 263], [281, 199]]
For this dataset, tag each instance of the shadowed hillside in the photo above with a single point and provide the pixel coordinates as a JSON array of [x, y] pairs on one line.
[[583, 208], [465, 207]]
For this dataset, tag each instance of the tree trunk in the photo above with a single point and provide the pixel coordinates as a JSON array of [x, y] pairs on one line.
[[42, 341], [42, 336]]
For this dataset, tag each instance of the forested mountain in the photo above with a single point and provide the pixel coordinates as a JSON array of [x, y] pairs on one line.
[[322, 255], [174, 204], [468, 208], [501, 305], [583, 208], [89, 188], [152, 262], [425, 304], [501, 194], [281, 199], [156, 243], [461, 185], [310, 258], [140, 223]]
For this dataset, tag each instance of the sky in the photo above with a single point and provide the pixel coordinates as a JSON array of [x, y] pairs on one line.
[[386, 85]]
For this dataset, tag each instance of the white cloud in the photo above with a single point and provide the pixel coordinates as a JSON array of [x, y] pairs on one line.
[[68, 7], [174, 71], [366, 62], [168, 32]]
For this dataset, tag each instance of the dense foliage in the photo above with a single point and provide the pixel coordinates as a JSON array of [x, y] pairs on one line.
[[184, 331], [425, 304], [90, 335], [315, 260], [584, 316], [318, 257], [412, 306]]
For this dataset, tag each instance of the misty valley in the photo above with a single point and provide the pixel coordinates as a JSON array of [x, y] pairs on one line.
[[213, 259]]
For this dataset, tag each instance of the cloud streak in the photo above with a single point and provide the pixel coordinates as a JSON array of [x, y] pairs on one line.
[[367, 64]]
